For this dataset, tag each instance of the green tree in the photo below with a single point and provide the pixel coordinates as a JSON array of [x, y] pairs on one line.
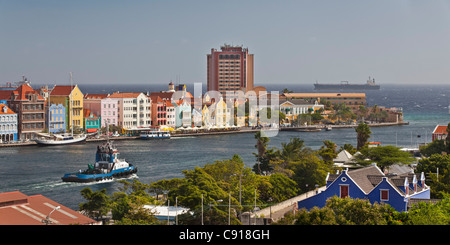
[[282, 189], [434, 147], [127, 206], [384, 156], [263, 157], [363, 135], [98, 203], [328, 151], [439, 184], [349, 148], [447, 139], [309, 171]]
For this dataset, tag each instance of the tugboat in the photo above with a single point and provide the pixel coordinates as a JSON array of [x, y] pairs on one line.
[[107, 166]]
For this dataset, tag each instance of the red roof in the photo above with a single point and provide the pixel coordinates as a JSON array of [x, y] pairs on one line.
[[124, 95], [17, 208], [62, 90], [5, 94], [25, 89], [8, 111], [95, 96], [440, 129], [87, 113]]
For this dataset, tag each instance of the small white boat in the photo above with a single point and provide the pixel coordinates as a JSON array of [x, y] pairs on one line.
[[328, 128]]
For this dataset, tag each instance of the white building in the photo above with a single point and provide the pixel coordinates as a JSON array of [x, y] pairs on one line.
[[134, 110]]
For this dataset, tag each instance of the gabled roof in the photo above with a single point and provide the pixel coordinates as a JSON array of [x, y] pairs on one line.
[[24, 90], [362, 179], [8, 111], [87, 113], [343, 157], [95, 96], [440, 129], [62, 90]]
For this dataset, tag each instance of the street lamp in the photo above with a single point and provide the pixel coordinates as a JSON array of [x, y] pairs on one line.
[[47, 219]]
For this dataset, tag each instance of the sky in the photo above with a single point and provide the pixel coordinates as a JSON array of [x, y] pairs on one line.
[[293, 42]]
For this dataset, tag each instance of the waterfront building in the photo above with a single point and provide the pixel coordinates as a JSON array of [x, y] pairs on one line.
[[206, 117], [134, 110], [63, 94], [439, 132], [182, 114], [20, 209], [352, 100], [196, 117], [93, 102], [92, 123], [295, 107], [159, 111], [8, 124], [174, 94], [109, 112], [29, 106], [230, 69], [221, 114], [399, 191], [170, 114], [56, 120]]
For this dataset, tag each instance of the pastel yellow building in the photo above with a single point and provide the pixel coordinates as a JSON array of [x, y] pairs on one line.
[[63, 94]]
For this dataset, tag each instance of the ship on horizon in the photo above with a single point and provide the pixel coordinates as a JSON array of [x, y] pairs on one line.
[[345, 85]]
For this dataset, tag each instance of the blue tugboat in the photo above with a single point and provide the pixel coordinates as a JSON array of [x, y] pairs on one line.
[[107, 166]]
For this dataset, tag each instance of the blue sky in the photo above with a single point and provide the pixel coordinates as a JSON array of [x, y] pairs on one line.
[[395, 41]]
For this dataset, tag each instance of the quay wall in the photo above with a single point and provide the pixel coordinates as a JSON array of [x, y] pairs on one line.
[[218, 132]]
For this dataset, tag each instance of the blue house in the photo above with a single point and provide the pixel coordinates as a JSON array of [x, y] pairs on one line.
[[57, 119], [372, 184]]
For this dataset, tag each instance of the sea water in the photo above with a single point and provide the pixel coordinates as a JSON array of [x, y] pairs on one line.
[[38, 170]]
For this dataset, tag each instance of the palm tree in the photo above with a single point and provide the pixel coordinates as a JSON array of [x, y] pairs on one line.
[[363, 135]]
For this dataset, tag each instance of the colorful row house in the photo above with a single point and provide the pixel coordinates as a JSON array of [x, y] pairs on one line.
[[399, 191], [56, 119], [64, 94], [8, 124], [92, 123]]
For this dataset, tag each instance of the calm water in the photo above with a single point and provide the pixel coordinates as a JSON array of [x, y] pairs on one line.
[[38, 170]]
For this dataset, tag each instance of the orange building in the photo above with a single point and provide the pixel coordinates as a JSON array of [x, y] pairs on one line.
[[352, 100]]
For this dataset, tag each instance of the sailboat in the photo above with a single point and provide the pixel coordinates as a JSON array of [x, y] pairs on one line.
[[62, 139]]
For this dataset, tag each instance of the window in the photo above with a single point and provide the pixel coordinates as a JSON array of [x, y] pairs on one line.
[[384, 195]]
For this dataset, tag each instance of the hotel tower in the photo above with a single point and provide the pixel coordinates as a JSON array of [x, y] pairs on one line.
[[230, 69]]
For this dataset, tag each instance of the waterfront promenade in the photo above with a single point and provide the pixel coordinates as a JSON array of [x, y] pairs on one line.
[[190, 133]]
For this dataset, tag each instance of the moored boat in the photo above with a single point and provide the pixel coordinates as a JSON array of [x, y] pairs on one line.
[[61, 140], [154, 135], [107, 166]]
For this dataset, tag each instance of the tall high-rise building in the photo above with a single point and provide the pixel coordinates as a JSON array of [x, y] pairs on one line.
[[230, 69]]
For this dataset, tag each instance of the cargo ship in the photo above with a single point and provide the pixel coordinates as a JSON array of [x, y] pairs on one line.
[[345, 85]]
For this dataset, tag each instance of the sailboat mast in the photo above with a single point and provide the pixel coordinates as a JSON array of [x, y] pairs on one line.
[[71, 104], [49, 116]]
